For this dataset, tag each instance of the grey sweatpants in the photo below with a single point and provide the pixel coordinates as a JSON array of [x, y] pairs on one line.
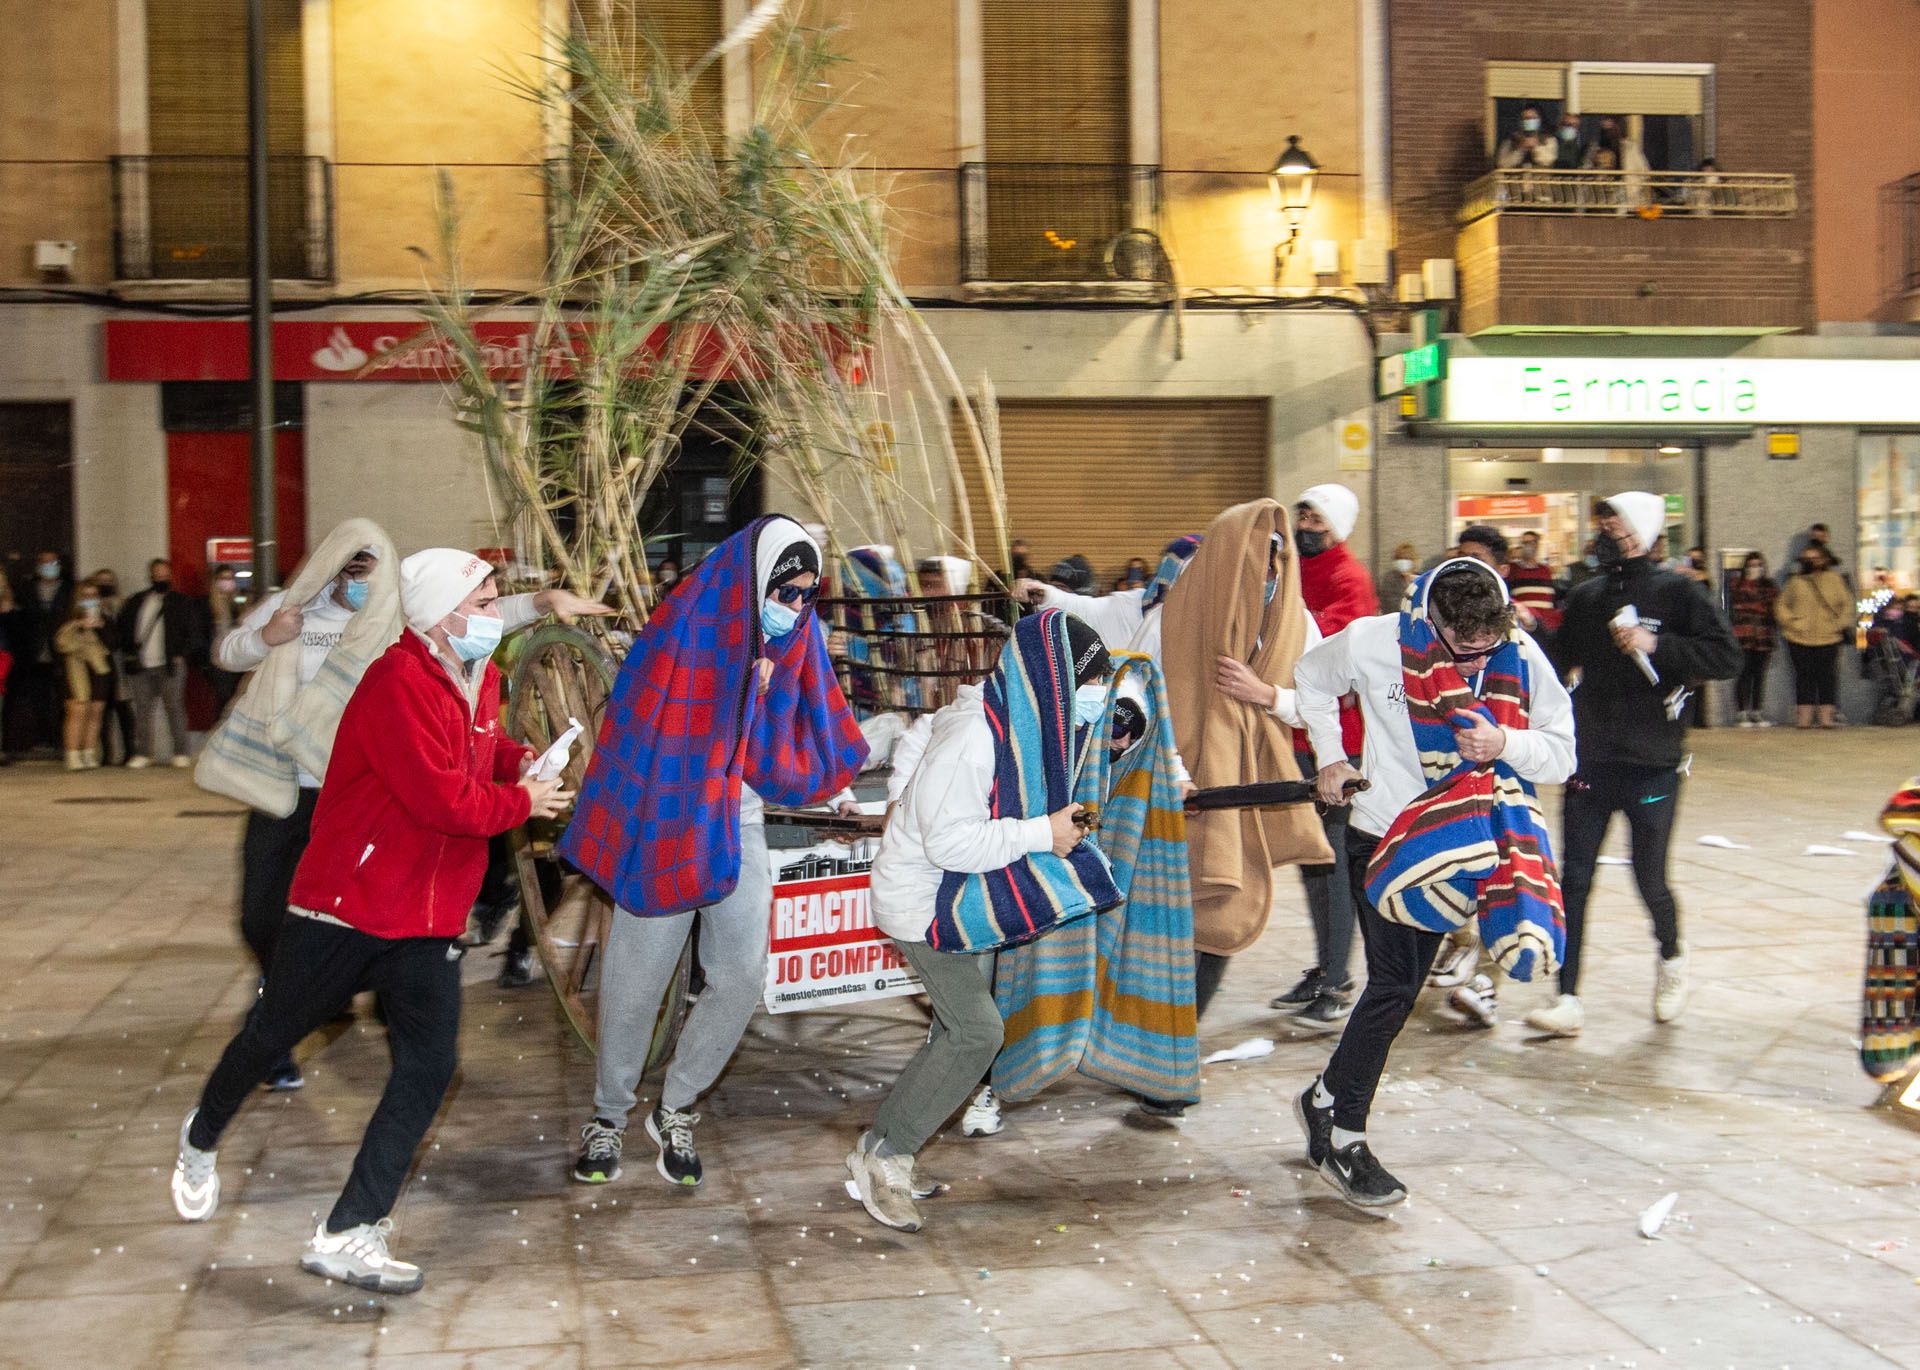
[[640, 956], [163, 687], [966, 1036]]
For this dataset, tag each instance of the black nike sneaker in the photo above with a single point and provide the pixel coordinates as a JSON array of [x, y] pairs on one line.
[[599, 1161], [1316, 1124], [1361, 1179], [672, 1131]]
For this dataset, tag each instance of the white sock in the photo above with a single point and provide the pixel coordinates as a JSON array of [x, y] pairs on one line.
[[1342, 1139], [1321, 1099]]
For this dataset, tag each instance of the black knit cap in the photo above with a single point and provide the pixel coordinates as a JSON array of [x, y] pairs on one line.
[[1129, 720], [1089, 653], [794, 561]]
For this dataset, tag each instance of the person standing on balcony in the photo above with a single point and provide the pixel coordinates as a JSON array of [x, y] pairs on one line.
[[1567, 149], [1527, 145]]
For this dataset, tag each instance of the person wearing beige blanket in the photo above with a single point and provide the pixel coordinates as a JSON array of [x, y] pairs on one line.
[[1239, 598]]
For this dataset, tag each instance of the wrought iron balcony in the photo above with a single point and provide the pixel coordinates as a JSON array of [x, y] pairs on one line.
[[185, 218], [1060, 222], [1649, 194]]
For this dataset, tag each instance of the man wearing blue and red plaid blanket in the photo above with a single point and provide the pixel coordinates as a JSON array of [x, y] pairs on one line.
[[727, 702], [1462, 717]]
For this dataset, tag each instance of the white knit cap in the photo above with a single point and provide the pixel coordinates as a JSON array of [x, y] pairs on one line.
[[1645, 514], [434, 581], [1337, 505]]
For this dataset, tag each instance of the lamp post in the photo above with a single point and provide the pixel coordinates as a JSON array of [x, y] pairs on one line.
[[1291, 181]]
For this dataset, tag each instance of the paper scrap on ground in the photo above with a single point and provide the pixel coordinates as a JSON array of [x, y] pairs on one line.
[[1725, 843], [1858, 836], [1245, 1051], [1656, 1216], [1615, 861], [1817, 849]]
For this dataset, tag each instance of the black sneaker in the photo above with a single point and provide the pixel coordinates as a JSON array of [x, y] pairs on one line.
[[517, 972], [1328, 1008], [1361, 1180], [1316, 1124], [1309, 988], [285, 1077], [1163, 1108], [600, 1143], [672, 1131]]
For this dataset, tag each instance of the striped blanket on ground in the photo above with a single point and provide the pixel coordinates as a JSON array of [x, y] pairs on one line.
[[658, 821], [1029, 705], [1113, 996], [1475, 842], [1888, 1011]]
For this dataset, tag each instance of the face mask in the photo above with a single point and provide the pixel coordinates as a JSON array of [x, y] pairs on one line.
[[1311, 544], [777, 619], [1753, 573], [482, 636], [1530, 125], [1569, 133], [356, 595], [109, 588], [50, 571], [1403, 564], [1089, 702], [163, 585], [91, 606], [1609, 550]]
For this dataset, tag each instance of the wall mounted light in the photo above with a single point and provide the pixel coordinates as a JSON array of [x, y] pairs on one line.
[[1291, 181]]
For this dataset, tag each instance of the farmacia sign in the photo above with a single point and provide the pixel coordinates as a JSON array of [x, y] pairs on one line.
[[1545, 391]]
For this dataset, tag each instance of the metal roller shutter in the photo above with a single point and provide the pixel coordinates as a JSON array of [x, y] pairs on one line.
[[1526, 81], [683, 30], [1113, 479], [1618, 92]]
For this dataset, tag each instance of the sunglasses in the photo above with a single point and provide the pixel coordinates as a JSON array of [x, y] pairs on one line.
[[791, 595], [1459, 656]]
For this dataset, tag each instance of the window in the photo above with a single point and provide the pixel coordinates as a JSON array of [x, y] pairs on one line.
[[1890, 508], [631, 32], [1056, 189], [1663, 110], [184, 206]]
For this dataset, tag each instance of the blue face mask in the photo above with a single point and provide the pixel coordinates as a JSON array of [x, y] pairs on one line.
[[50, 571], [777, 619], [1089, 702], [482, 636], [356, 595]]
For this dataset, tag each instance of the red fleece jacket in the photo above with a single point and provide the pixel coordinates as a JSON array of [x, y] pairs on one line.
[[1338, 590], [416, 785]]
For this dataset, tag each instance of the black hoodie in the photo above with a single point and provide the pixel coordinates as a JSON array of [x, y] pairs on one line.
[[1620, 719]]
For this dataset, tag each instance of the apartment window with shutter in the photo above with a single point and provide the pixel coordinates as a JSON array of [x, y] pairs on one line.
[[638, 35], [1057, 186], [194, 186], [1665, 109]]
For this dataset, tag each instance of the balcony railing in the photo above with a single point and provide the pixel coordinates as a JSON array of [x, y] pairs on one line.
[[1060, 222], [185, 218], [1650, 194]]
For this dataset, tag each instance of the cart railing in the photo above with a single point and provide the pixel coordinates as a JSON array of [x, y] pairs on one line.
[[912, 653]]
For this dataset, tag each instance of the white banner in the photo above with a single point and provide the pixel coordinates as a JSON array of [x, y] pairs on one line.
[[824, 948], [1546, 391]]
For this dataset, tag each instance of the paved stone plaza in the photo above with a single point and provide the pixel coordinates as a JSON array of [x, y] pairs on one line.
[[1075, 1238]]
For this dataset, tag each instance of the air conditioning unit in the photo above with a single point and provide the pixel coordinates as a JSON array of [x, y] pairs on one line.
[[1369, 263], [1412, 290], [1326, 257], [1437, 278], [54, 255]]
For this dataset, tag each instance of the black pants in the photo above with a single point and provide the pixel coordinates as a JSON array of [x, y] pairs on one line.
[[34, 709], [1398, 959], [318, 967], [1330, 899], [1650, 799], [270, 852], [1816, 672], [1208, 971], [1750, 690]]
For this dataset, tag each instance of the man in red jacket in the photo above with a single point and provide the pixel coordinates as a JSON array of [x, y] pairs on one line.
[[420, 777], [1337, 590]]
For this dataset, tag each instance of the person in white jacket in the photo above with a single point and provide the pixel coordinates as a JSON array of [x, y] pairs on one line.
[[271, 848], [943, 822], [1473, 618]]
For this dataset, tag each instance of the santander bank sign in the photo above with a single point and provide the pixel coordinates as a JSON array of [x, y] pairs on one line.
[[357, 350]]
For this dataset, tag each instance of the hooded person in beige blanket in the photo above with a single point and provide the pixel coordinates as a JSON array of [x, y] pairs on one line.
[[1239, 598]]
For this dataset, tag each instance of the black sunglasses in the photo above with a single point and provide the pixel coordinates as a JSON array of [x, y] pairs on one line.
[[1460, 656], [794, 594]]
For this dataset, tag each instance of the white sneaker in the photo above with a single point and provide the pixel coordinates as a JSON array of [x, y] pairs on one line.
[[1762, 721], [982, 1118], [1475, 1002], [885, 1185], [74, 762], [1670, 987], [1564, 1019], [1454, 965], [196, 1184], [139, 763], [90, 759], [359, 1257], [1747, 721], [181, 761]]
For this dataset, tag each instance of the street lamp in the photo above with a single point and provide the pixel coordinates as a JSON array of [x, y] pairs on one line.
[[1291, 181]]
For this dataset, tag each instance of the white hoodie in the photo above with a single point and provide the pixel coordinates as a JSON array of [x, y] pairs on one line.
[[944, 821]]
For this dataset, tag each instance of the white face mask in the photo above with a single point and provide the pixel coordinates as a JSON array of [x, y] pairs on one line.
[[1089, 702], [1403, 564]]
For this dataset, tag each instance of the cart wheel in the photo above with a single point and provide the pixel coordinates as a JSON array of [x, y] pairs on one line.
[[566, 673]]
